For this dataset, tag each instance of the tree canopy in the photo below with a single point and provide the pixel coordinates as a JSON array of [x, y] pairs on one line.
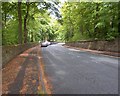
[[90, 21], [24, 22]]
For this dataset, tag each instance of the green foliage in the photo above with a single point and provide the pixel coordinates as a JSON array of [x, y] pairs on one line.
[[79, 21], [89, 20], [10, 33], [37, 22]]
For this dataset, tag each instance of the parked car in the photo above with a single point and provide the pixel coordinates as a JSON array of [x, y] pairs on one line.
[[45, 44]]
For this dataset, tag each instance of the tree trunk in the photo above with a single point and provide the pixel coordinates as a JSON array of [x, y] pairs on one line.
[[4, 15], [5, 18], [25, 22], [89, 32], [20, 23], [31, 36]]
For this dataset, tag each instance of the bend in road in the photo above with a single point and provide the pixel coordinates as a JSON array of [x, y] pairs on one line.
[[78, 72]]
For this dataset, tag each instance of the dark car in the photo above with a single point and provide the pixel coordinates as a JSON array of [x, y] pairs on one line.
[[53, 42]]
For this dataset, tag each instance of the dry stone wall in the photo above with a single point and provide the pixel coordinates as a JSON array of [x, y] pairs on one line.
[[9, 52], [111, 46]]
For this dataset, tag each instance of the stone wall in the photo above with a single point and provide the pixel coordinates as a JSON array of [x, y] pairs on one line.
[[111, 46], [9, 52]]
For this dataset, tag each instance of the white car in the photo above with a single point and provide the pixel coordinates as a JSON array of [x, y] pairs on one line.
[[45, 44]]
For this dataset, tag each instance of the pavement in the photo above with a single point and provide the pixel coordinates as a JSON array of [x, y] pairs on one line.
[[23, 75], [72, 71]]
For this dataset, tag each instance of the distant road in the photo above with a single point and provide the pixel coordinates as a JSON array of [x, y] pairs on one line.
[[78, 72]]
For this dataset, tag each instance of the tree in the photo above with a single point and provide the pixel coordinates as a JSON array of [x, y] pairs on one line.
[[89, 21], [25, 21], [20, 22]]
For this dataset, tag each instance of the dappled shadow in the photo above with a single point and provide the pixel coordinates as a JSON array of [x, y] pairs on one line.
[[25, 76]]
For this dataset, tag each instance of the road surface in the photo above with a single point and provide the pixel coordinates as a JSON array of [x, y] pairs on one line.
[[78, 72]]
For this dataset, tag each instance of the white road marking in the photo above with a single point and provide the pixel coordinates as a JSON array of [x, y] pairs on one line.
[[74, 50]]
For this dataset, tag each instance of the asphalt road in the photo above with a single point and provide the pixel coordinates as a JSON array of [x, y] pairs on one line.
[[78, 72]]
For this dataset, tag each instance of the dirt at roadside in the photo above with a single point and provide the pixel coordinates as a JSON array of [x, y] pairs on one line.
[[25, 74]]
